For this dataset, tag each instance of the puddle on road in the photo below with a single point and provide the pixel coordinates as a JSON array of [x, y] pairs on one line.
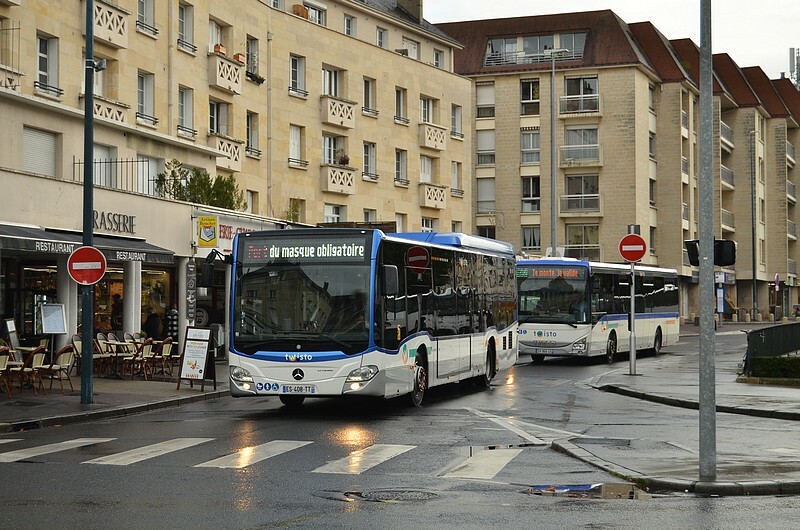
[[612, 490]]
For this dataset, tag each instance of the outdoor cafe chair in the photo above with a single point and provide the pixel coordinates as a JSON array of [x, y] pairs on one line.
[[164, 357], [28, 372], [60, 367], [133, 363], [5, 379]]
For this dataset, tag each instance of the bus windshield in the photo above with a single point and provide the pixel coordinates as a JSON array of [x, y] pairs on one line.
[[553, 293], [312, 297]]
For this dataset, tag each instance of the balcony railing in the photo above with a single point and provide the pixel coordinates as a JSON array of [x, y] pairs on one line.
[[50, 90], [433, 195], [684, 211], [298, 162], [727, 220], [338, 179], [369, 111], [110, 109], [432, 136], [225, 73], [580, 203], [520, 57], [583, 252], [576, 155], [579, 104], [684, 119], [790, 154], [126, 174], [791, 266], [338, 112], [297, 91], [791, 229], [146, 119], [726, 133], [110, 23], [531, 205], [791, 191], [685, 261], [187, 132], [144, 27], [684, 165], [726, 175], [232, 149], [530, 156], [187, 46]]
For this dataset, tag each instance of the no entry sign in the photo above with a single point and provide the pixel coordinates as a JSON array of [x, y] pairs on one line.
[[418, 259], [632, 247], [86, 265]]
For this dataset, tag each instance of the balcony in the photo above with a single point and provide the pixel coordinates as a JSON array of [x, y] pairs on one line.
[[225, 73], [727, 221], [531, 205], [726, 135], [110, 109], [110, 23], [338, 112], [579, 104], [579, 155], [791, 191], [231, 147], [583, 252], [432, 136], [338, 179], [791, 230], [790, 158], [726, 176], [520, 57], [580, 204], [791, 266], [433, 195], [684, 216]]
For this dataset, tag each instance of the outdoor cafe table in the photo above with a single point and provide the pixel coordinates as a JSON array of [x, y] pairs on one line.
[[118, 348]]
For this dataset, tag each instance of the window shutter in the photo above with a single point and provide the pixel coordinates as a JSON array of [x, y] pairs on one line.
[[39, 151]]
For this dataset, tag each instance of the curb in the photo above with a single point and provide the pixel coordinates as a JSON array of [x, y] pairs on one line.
[[114, 412]]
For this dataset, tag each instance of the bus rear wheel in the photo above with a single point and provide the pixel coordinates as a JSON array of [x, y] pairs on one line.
[[419, 385], [489, 372], [611, 348], [292, 401], [657, 342]]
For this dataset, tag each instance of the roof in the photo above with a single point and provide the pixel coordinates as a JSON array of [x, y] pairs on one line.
[[391, 8], [789, 95], [765, 92], [689, 56], [659, 52], [735, 81], [609, 42]]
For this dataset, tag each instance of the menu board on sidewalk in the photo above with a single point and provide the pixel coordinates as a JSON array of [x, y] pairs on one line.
[[54, 321], [196, 364]]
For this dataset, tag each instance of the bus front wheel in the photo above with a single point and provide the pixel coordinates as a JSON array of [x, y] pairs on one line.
[[537, 359], [292, 401], [611, 348], [419, 384]]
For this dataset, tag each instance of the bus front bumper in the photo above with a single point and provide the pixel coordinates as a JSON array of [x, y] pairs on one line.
[[245, 385]]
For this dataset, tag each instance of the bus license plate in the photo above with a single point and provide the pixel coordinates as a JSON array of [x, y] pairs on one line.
[[545, 351], [298, 389]]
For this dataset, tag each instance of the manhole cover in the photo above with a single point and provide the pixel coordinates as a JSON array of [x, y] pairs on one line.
[[392, 495]]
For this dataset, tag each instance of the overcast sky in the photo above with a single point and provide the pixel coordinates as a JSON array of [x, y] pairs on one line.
[[753, 33]]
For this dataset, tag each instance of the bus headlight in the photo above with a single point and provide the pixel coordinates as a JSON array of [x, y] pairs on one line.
[[360, 375], [240, 374], [579, 346]]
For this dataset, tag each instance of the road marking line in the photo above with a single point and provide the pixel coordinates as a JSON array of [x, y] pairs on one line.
[[360, 461], [22, 454], [9, 440], [251, 455], [149, 451], [484, 465]]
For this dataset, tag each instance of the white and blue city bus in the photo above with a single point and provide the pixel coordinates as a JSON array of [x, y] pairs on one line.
[[347, 311], [573, 308]]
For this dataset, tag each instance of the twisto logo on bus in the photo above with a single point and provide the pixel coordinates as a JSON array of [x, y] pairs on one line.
[[293, 357], [540, 333]]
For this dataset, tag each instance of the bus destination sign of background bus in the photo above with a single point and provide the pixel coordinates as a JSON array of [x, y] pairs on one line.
[[575, 273]]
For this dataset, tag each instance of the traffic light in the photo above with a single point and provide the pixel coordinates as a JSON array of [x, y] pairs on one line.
[[724, 252]]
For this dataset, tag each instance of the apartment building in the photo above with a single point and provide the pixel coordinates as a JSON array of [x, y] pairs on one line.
[[323, 112], [585, 124]]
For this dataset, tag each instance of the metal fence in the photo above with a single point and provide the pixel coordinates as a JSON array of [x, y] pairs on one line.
[[136, 175], [772, 341]]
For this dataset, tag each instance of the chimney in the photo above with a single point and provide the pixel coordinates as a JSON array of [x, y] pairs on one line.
[[413, 7]]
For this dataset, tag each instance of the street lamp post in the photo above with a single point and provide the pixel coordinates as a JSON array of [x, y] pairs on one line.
[[553, 53]]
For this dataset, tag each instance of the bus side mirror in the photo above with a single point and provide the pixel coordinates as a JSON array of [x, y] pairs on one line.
[[206, 278], [391, 280]]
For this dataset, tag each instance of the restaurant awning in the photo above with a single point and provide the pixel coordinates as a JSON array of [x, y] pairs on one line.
[[28, 238]]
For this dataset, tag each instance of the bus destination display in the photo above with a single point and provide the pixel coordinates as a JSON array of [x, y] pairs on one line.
[[327, 250]]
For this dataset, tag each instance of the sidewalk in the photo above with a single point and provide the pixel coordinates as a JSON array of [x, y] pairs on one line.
[[654, 465]]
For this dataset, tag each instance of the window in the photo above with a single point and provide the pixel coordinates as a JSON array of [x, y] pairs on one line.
[[456, 227], [251, 198], [581, 95], [330, 82], [296, 146], [531, 194], [349, 26], [581, 144], [487, 231], [251, 147], [485, 141], [455, 121], [217, 117], [762, 209], [369, 97], [428, 224], [382, 38], [331, 146], [652, 192], [530, 97], [145, 21], [425, 110], [486, 197], [485, 97], [399, 222], [333, 213], [535, 45], [531, 237], [148, 167], [103, 158], [145, 105], [277, 4], [501, 51], [39, 151], [400, 105], [370, 215], [651, 145], [297, 210], [582, 193], [425, 169], [185, 112], [400, 166], [455, 177], [47, 65], [99, 75], [652, 240], [186, 27], [412, 47], [585, 239], [574, 42], [438, 58], [297, 76], [316, 14], [214, 35], [370, 170], [251, 53], [651, 97], [529, 147]]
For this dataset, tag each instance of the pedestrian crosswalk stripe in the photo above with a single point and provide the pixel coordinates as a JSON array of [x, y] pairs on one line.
[[9, 440], [22, 454], [359, 461], [251, 455], [483, 465], [149, 451]]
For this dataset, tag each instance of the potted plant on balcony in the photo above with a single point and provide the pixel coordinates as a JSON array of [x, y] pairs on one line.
[[239, 57], [341, 158], [220, 49], [255, 77]]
